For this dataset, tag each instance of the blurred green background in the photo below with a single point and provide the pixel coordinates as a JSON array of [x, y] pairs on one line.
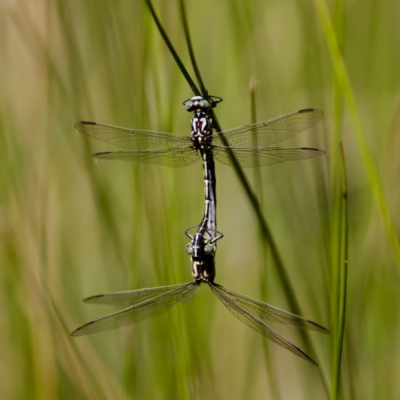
[[70, 228]]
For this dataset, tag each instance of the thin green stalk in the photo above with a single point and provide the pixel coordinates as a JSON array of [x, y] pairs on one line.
[[171, 49], [253, 110], [272, 376], [190, 48], [341, 290], [338, 209]]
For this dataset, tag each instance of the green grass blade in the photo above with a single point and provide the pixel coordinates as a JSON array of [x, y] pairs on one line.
[[348, 95]]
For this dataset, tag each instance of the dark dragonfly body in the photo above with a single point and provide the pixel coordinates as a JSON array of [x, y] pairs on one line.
[[249, 144], [202, 250], [146, 303], [201, 135]]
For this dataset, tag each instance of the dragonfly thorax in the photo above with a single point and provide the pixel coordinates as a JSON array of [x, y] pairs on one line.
[[201, 124], [202, 253], [203, 270]]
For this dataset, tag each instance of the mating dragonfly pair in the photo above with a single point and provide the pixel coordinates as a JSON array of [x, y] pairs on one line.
[[249, 144]]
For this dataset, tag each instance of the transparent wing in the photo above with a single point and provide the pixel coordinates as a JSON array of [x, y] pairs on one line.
[[270, 313], [255, 323], [178, 157], [132, 139], [131, 297], [256, 157], [272, 131], [141, 311]]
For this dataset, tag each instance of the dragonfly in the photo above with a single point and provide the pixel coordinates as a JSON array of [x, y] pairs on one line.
[[145, 303], [250, 144]]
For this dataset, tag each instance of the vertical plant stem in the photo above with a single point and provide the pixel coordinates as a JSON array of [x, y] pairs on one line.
[[338, 319]]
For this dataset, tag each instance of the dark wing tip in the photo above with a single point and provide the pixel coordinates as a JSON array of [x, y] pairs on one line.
[[310, 110], [318, 114], [304, 355], [312, 361], [77, 331], [315, 152], [79, 124], [91, 298], [319, 327], [314, 149], [102, 153], [99, 157]]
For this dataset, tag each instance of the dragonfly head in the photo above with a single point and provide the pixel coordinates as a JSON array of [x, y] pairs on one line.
[[198, 251], [198, 102], [200, 242]]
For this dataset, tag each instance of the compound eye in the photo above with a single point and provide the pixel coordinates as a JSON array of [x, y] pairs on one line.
[[204, 104], [189, 248], [188, 105], [209, 249]]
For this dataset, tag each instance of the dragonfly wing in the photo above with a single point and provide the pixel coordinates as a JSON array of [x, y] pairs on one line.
[[132, 139], [255, 323], [267, 312], [131, 297], [177, 157], [256, 157], [272, 131], [139, 312]]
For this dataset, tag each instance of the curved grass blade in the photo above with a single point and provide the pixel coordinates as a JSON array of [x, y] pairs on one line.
[[255, 323], [139, 312], [267, 312], [347, 91]]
